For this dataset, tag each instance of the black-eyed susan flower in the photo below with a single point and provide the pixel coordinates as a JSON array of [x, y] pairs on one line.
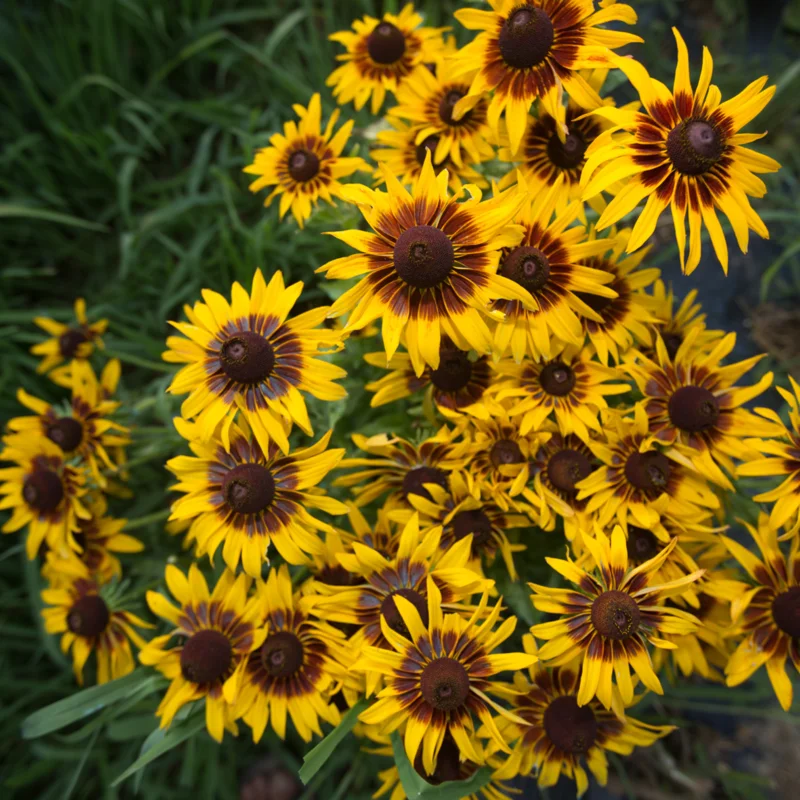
[[305, 163], [638, 482], [571, 389], [68, 341], [399, 467], [381, 536], [295, 668], [693, 403], [766, 609], [430, 265], [86, 612], [562, 737], [245, 498], [84, 429], [530, 49], [780, 457], [457, 386], [42, 491], [437, 675], [547, 267], [610, 618], [685, 153], [245, 356], [381, 55], [215, 631]]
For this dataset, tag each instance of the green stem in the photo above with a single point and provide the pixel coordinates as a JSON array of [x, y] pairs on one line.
[[140, 522]]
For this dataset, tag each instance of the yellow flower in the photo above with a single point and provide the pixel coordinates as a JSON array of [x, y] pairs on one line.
[[430, 265], [685, 153], [245, 498], [304, 164], [218, 631], [610, 618], [245, 356], [381, 55], [69, 341], [530, 49]]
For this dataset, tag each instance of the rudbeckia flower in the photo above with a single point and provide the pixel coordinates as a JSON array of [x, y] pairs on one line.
[[684, 152], [610, 618], [245, 356], [305, 164], [430, 265], [381, 55]]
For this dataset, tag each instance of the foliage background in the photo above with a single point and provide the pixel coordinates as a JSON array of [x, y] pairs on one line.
[[124, 127]]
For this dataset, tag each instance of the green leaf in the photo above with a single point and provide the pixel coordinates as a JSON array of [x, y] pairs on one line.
[[417, 788], [29, 212], [315, 758], [64, 712]]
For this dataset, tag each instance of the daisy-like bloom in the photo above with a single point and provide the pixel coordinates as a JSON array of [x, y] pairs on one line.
[[610, 618], [530, 49], [295, 666], [87, 614], [400, 467], [400, 155], [457, 386], [68, 341], [437, 675], [781, 457], [694, 403], [246, 356], [427, 101], [767, 610], [561, 736], [370, 601], [430, 265], [216, 633], [245, 498], [546, 266], [572, 388], [85, 430], [305, 164], [685, 153], [42, 491], [381, 55], [637, 482]]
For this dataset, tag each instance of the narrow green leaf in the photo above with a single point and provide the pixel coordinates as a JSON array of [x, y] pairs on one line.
[[30, 212], [315, 758], [282, 30]]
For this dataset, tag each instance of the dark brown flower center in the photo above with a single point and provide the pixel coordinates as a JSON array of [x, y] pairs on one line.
[[557, 378], [693, 409], [247, 357], [505, 451], [445, 684], [642, 545], [454, 370], [282, 654], [393, 617], [672, 341], [206, 656], [596, 302], [447, 105], [248, 488], [570, 727], [423, 256], [66, 432], [472, 521], [386, 44], [70, 340], [526, 37], [527, 266], [336, 576], [89, 616], [415, 480], [694, 146], [615, 615], [648, 471], [43, 490], [449, 766], [567, 154], [429, 145], [567, 467], [303, 165], [786, 611]]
